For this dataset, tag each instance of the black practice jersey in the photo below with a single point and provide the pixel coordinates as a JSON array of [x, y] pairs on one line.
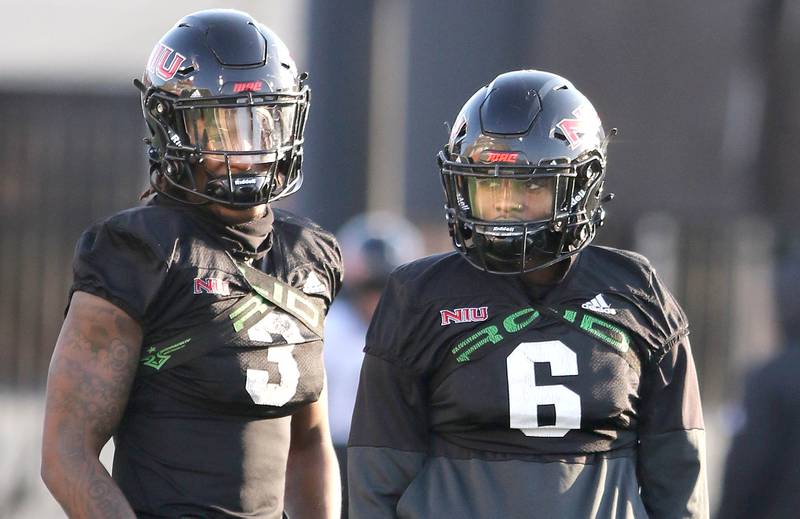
[[209, 437], [481, 399]]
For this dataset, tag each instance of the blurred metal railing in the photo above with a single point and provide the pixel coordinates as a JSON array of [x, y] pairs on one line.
[[65, 161]]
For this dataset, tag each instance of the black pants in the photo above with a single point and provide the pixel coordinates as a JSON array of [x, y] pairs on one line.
[[341, 454]]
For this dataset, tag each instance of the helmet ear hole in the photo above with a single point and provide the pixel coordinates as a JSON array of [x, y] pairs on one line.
[[175, 171], [591, 170], [158, 108]]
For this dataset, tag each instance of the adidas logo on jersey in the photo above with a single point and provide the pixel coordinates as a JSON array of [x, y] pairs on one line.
[[314, 285], [464, 315], [598, 304]]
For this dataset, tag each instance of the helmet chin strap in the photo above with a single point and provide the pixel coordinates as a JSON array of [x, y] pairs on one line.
[[247, 187], [514, 253], [242, 189], [238, 191]]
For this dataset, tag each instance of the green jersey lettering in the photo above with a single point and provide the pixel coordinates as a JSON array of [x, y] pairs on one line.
[[479, 338], [253, 305], [511, 324], [606, 332]]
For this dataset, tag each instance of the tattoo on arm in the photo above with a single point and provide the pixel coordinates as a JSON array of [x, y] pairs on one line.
[[91, 374]]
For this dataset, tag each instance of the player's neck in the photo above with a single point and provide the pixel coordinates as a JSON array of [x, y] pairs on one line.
[[546, 278]]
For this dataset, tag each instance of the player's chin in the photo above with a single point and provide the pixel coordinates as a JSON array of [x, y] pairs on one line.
[[237, 215]]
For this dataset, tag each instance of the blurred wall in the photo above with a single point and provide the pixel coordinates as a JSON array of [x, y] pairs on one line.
[[66, 161], [89, 45]]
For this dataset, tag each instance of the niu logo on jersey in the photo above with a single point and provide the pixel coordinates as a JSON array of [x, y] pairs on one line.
[[585, 124], [165, 62], [464, 315], [211, 286]]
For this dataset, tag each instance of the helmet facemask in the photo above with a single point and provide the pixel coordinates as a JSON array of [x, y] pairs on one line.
[[538, 142], [246, 149], [516, 218]]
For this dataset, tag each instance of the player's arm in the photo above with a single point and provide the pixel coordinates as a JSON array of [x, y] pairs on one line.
[[671, 461], [313, 485], [90, 377], [388, 438]]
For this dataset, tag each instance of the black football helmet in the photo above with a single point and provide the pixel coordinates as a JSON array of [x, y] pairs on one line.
[[523, 173], [221, 89]]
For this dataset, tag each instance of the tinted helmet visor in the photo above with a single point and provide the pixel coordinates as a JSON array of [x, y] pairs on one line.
[[255, 134]]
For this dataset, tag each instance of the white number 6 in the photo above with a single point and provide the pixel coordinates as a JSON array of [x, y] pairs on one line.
[[525, 397]]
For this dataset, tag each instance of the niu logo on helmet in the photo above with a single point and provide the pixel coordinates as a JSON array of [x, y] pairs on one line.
[[160, 59], [586, 122]]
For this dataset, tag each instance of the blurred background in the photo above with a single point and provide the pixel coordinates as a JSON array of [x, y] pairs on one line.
[[704, 95]]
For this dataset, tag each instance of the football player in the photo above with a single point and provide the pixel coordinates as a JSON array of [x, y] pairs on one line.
[[194, 329], [373, 244], [528, 373]]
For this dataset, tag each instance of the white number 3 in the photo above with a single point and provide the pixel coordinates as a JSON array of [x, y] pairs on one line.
[[525, 397], [264, 392]]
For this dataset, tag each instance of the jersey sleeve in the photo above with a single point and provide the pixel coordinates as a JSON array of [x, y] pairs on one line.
[[117, 265], [671, 461], [334, 270], [309, 254], [388, 435]]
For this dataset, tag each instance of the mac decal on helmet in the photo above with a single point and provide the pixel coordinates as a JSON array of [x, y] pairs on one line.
[[527, 130], [220, 86]]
